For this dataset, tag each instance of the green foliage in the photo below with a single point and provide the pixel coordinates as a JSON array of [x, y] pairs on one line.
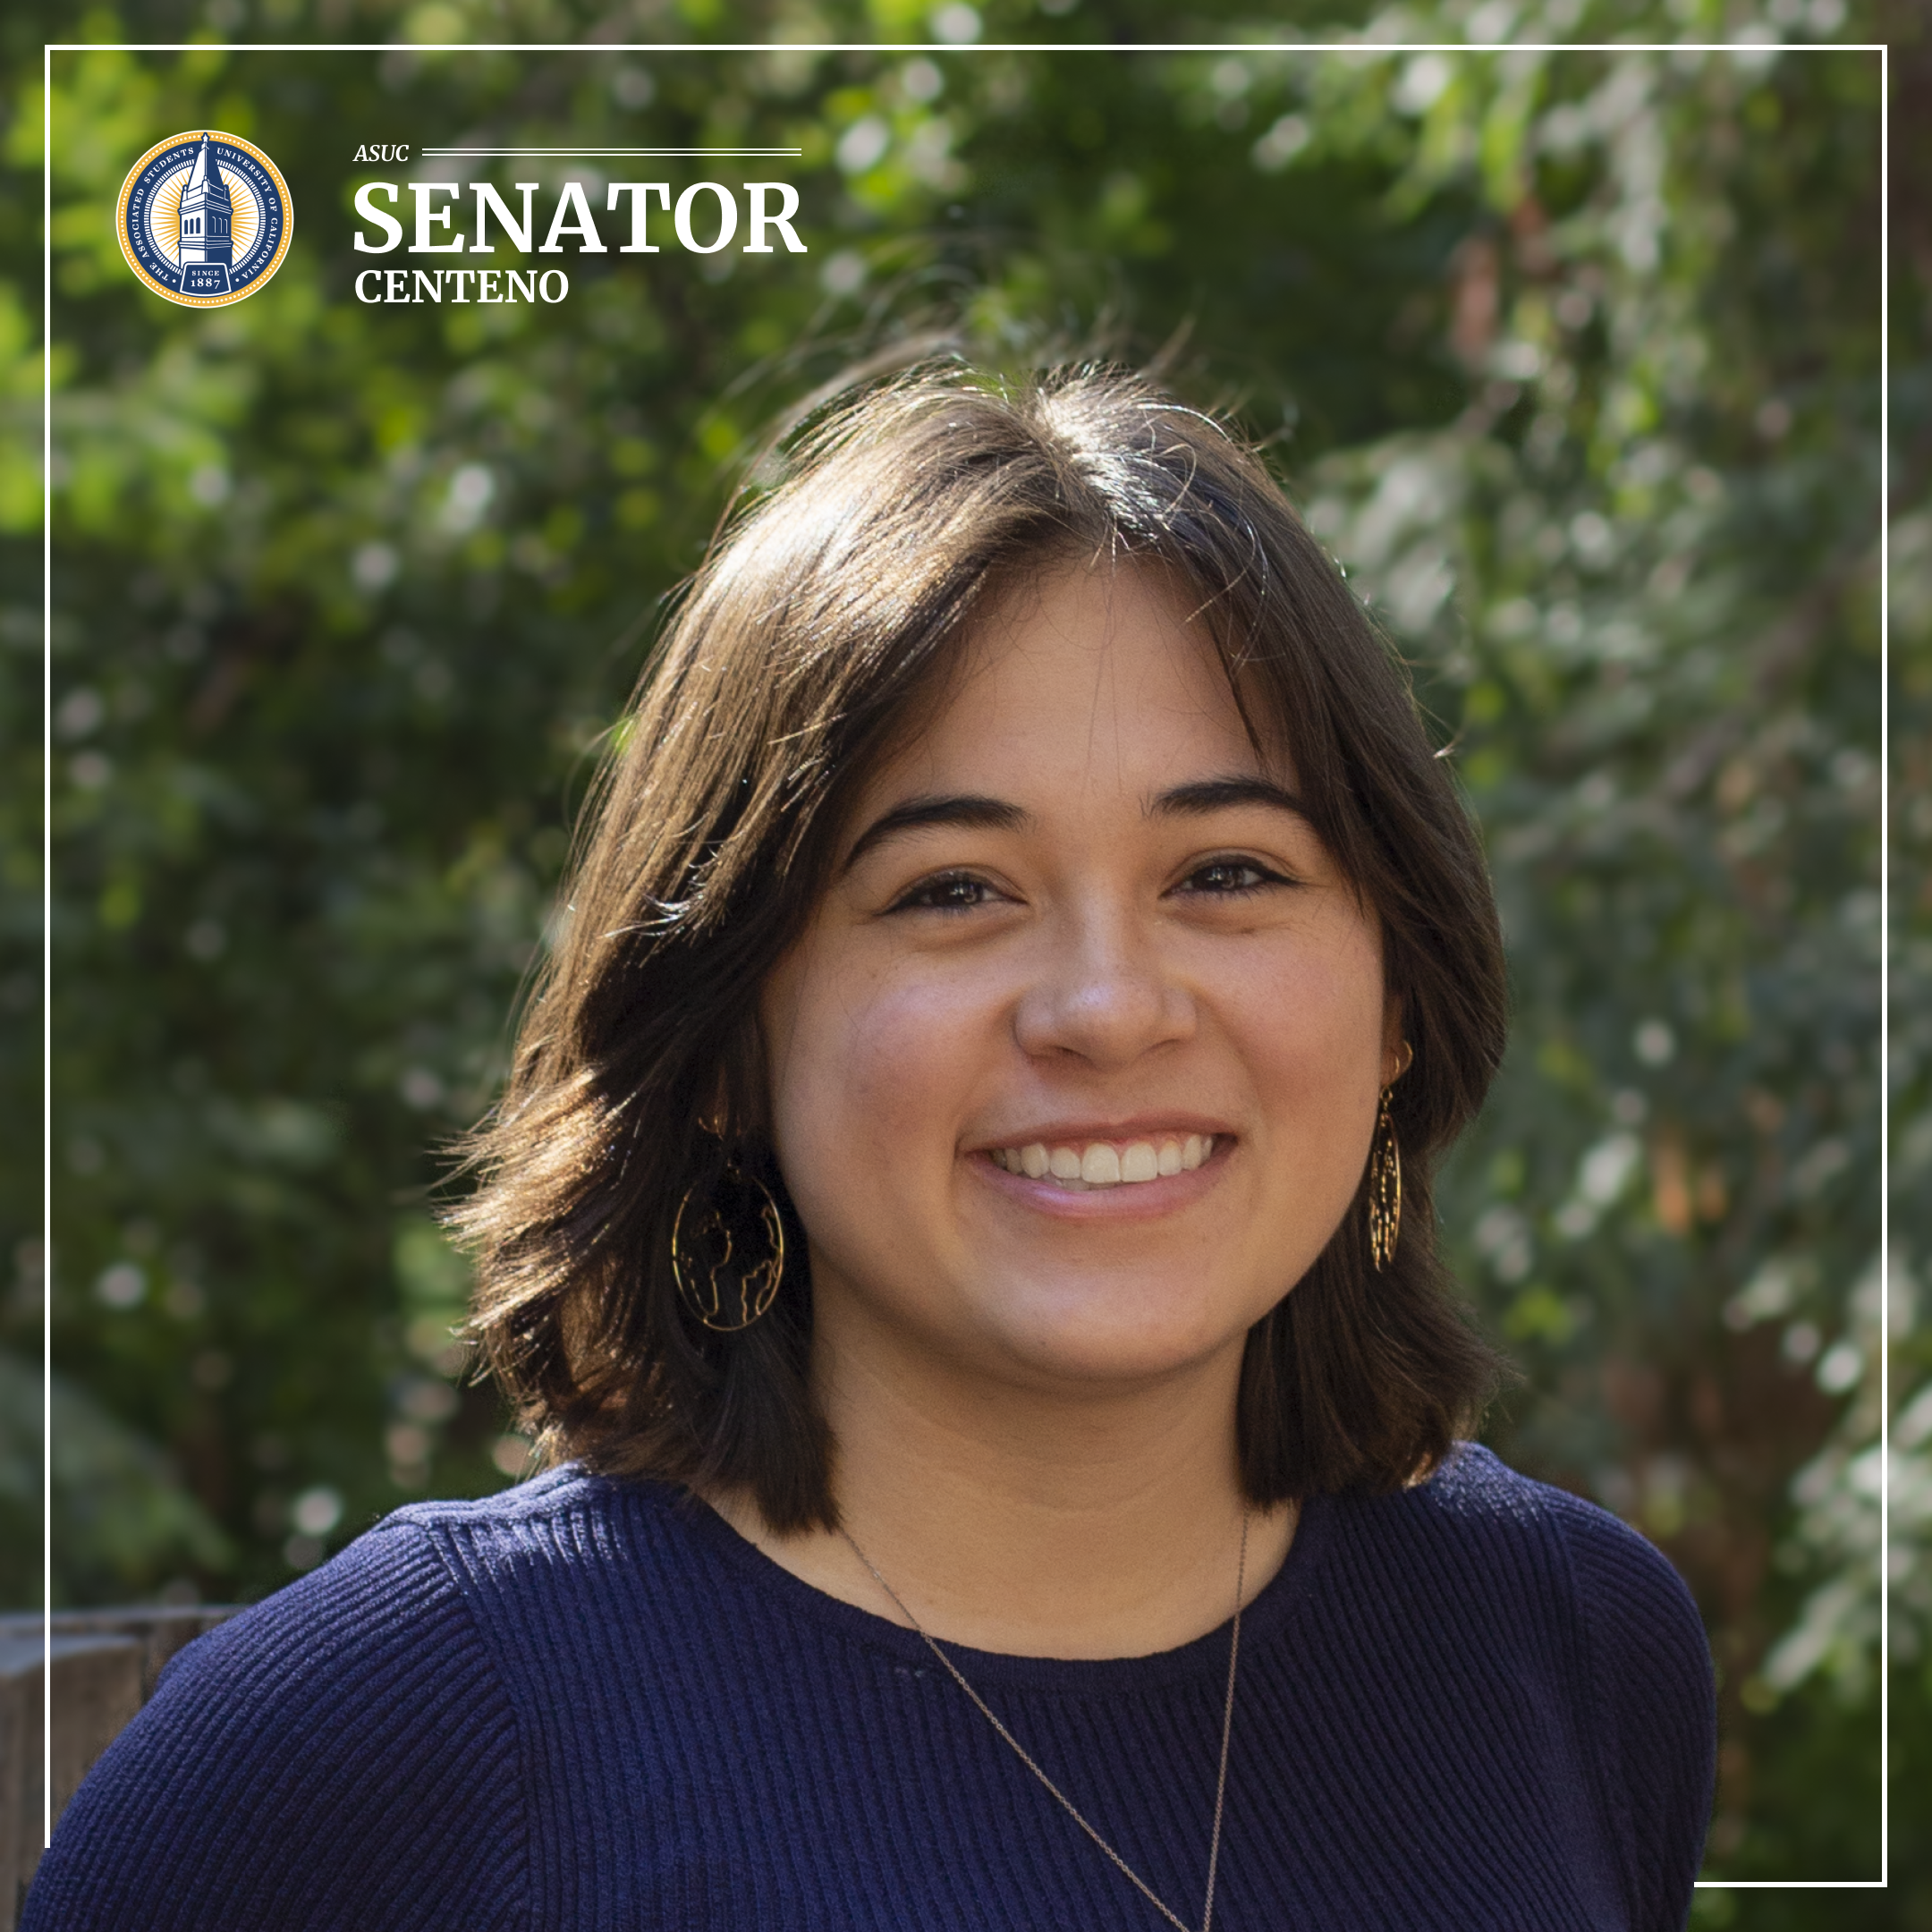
[[128, 1510], [1572, 359]]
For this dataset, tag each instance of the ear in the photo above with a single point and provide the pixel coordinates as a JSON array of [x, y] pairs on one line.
[[716, 1109], [737, 1108], [1396, 1052]]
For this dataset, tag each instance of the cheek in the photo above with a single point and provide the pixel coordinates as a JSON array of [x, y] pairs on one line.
[[870, 1073], [1308, 1023]]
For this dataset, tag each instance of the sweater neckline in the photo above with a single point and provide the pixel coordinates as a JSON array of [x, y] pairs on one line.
[[1266, 1618]]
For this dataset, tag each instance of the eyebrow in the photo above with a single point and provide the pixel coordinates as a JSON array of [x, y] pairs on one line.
[[967, 809], [978, 812], [1219, 794]]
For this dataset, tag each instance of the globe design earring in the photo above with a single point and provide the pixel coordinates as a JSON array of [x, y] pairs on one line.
[[727, 1295]]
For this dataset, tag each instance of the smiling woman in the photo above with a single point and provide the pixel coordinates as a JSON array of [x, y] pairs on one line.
[[959, 1226], [1083, 635]]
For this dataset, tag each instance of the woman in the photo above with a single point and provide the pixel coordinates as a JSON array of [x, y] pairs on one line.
[[961, 1226]]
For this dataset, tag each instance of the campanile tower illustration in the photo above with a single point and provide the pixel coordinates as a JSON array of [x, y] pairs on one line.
[[207, 213]]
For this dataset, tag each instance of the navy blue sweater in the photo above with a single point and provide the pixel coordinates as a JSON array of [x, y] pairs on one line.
[[581, 1705]]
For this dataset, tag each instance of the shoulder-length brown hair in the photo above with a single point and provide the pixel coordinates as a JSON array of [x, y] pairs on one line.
[[818, 617]]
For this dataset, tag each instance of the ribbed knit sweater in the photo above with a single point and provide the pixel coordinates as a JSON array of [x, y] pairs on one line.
[[581, 1705]]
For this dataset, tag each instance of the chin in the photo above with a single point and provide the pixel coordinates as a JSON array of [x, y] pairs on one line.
[[1096, 1334]]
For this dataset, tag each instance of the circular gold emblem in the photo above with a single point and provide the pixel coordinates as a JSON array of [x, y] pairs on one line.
[[204, 219]]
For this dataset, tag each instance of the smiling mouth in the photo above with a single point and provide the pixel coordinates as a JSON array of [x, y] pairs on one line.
[[1103, 1163]]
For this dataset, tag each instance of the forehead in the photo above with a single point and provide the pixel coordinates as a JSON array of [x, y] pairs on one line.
[[1100, 678]]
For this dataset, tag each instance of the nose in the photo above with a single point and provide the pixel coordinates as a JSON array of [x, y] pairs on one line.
[[1102, 993]]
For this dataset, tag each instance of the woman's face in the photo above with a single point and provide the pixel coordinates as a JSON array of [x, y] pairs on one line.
[[1075, 1069]]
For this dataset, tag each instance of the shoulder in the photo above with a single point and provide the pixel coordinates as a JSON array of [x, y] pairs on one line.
[[1484, 1558], [328, 1638], [402, 1598], [407, 1611], [1478, 1499], [1486, 1531], [1642, 1639], [530, 1548], [1622, 1579], [1476, 1486], [343, 1752], [1607, 1609]]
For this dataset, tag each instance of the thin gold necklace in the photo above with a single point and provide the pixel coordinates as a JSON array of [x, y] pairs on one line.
[[1227, 1728]]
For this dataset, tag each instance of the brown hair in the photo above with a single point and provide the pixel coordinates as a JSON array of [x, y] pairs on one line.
[[815, 621]]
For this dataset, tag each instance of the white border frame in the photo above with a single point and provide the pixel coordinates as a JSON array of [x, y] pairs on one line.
[[1367, 49]]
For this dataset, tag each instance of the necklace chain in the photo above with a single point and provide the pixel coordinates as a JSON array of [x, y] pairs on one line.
[[1066, 1803]]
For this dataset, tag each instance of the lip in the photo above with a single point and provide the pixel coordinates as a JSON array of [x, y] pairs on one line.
[[1139, 1201], [1079, 1133]]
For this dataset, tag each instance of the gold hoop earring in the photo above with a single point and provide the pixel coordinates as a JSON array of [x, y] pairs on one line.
[[1384, 1188], [727, 1300]]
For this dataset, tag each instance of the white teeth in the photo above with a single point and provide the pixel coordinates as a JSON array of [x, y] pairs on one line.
[[1102, 1164]]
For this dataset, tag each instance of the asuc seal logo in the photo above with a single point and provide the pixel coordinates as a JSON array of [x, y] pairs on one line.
[[204, 219]]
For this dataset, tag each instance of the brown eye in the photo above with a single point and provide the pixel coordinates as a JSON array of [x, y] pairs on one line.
[[1225, 877], [952, 892]]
